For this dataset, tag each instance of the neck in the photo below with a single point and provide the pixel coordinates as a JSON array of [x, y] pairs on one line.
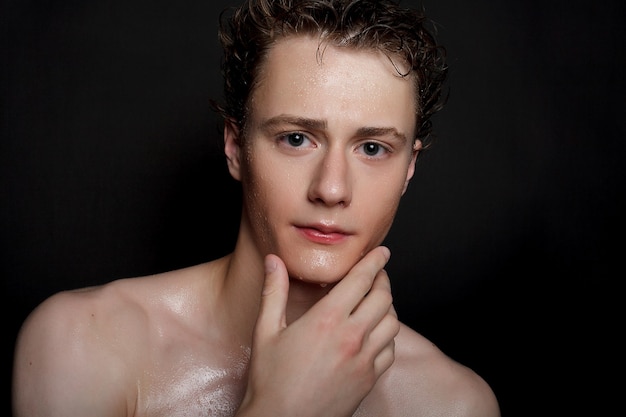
[[243, 283], [302, 296]]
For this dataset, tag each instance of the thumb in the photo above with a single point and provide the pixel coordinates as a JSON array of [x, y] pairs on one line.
[[272, 313]]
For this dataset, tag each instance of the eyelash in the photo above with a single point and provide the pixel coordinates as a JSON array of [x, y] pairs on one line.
[[302, 137]]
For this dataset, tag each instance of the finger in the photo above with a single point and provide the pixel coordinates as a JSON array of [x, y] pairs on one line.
[[377, 307], [385, 358], [349, 292], [381, 335], [392, 311], [272, 311], [376, 304], [380, 343]]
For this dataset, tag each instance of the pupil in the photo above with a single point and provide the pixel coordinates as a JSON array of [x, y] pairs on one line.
[[371, 148], [296, 139]]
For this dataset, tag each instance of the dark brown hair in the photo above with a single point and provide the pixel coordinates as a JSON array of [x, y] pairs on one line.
[[248, 31]]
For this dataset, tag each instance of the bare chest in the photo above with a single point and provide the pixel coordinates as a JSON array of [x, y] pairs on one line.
[[192, 387]]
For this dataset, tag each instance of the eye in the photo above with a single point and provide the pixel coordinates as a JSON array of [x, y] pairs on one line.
[[294, 139], [373, 149]]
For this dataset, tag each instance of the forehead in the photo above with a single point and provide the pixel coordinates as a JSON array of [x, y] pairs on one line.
[[323, 81]]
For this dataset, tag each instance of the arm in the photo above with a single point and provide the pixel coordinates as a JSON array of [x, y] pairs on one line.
[[328, 360]]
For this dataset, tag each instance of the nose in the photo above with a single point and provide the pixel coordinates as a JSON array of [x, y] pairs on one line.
[[331, 183]]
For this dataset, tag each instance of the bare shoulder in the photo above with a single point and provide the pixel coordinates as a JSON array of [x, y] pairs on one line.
[[423, 381], [87, 341], [59, 351]]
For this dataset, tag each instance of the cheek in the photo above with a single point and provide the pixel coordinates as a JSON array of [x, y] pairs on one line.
[[272, 184], [377, 215], [385, 214], [268, 195]]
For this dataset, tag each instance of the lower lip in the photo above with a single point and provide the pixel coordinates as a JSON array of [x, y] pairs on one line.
[[316, 236]]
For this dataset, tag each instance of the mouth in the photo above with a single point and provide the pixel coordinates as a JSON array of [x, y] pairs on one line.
[[319, 233]]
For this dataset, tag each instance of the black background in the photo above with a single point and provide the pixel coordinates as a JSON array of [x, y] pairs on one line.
[[507, 247]]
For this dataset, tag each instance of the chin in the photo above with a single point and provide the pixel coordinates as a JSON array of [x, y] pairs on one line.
[[316, 277], [320, 267]]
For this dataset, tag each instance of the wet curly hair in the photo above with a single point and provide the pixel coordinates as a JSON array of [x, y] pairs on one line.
[[404, 35]]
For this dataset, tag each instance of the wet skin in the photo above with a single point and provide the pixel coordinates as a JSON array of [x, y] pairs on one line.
[[327, 155]]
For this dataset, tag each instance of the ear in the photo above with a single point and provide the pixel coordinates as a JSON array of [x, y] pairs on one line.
[[417, 147], [232, 148]]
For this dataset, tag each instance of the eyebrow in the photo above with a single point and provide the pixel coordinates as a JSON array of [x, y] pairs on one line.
[[381, 131], [317, 124], [314, 124]]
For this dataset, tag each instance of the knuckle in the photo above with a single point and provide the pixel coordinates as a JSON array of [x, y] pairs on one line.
[[351, 344]]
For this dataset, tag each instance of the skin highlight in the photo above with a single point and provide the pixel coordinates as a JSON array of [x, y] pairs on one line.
[[328, 112], [325, 117]]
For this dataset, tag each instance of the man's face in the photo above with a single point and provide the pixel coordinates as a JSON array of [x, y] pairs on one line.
[[327, 155]]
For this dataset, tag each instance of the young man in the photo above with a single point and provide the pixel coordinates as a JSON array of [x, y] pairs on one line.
[[326, 108]]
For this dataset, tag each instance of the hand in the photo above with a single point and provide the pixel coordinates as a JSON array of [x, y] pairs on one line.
[[327, 361]]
